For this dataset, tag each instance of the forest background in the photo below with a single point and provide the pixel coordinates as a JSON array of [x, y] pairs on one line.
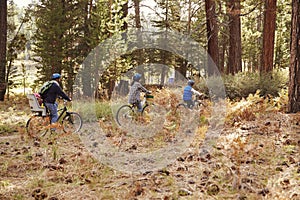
[[253, 43], [249, 41]]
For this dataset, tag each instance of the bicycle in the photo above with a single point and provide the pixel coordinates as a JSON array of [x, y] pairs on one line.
[[127, 113], [39, 124], [197, 103]]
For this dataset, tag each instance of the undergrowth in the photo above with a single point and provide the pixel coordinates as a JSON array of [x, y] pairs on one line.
[[255, 156], [241, 85]]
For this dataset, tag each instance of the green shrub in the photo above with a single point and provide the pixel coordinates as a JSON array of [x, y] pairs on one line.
[[103, 109], [93, 110], [242, 84]]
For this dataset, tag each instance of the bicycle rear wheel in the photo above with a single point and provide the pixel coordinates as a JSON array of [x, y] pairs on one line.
[[37, 126], [125, 115], [181, 107], [72, 122]]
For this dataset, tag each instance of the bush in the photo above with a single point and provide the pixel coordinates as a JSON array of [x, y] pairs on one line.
[[103, 110], [93, 111], [242, 84]]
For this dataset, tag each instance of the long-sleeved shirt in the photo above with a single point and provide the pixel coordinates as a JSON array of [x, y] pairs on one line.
[[54, 92], [135, 92]]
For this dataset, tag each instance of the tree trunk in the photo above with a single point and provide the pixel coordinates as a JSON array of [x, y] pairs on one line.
[[223, 47], [140, 53], [189, 17], [3, 41], [257, 56], [124, 15], [137, 16], [268, 36], [235, 46], [294, 84], [87, 71], [212, 36]]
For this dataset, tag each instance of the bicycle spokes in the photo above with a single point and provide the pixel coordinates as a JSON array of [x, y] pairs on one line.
[[72, 123], [37, 126], [70, 119]]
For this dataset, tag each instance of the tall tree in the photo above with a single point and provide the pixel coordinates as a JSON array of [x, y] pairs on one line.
[[16, 41], [65, 37], [137, 16], [124, 14], [3, 41], [235, 42], [137, 19], [252, 21], [282, 34], [294, 85], [50, 38], [268, 36], [212, 36]]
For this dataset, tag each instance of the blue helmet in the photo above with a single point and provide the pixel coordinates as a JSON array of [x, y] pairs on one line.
[[137, 77], [56, 76], [191, 82]]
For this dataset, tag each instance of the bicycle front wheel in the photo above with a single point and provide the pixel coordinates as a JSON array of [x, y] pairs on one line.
[[199, 104], [149, 113], [125, 115], [37, 126], [72, 122]]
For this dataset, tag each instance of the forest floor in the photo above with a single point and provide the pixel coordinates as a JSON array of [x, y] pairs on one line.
[[256, 156]]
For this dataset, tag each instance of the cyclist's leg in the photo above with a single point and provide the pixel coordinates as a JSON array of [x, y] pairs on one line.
[[189, 103], [53, 113], [139, 106]]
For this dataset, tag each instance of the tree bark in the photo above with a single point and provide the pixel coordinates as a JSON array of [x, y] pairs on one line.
[[235, 46], [124, 15], [212, 36], [137, 16], [140, 53], [294, 84], [268, 36], [3, 41]]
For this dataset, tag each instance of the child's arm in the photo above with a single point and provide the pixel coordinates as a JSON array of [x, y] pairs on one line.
[[142, 88], [196, 92]]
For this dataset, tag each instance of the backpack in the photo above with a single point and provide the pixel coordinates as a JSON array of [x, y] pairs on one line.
[[45, 88]]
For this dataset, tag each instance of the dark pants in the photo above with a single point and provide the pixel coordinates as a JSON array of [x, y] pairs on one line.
[[139, 106], [190, 103]]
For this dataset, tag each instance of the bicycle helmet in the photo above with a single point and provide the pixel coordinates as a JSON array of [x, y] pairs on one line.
[[191, 82], [56, 76], [137, 77]]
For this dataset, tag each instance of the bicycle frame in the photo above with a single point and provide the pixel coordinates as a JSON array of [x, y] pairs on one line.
[[145, 103], [61, 112], [196, 103], [133, 109]]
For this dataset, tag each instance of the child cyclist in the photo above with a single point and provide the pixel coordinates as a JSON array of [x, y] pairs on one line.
[[188, 93], [135, 91]]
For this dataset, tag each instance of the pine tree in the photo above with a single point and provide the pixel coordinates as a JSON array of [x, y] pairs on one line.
[[3, 41]]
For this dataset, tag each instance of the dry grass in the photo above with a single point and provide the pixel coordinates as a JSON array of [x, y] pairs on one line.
[[255, 157]]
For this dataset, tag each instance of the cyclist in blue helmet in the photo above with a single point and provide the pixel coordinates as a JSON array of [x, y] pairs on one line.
[[135, 91], [188, 93], [50, 96], [55, 76]]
